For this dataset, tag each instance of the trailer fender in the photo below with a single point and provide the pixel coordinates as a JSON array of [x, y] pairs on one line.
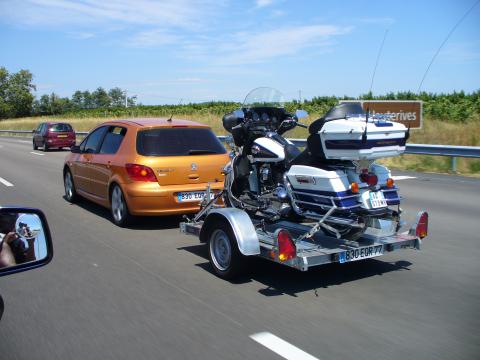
[[241, 225]]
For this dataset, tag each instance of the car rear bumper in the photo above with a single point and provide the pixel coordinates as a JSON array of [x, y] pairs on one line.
[[60, 142], [151, 199]]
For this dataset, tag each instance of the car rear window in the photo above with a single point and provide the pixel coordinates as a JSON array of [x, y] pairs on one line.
[[61, 128], [178, 142]]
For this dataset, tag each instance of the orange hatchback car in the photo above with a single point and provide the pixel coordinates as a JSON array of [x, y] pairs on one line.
[[145, 167]]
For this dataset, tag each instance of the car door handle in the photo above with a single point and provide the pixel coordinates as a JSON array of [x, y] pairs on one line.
[[108, 164], [193, 176]]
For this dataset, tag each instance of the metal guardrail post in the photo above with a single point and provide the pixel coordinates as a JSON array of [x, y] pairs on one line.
[[454, 164]]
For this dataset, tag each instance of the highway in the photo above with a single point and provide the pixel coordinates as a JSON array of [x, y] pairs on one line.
[[147, 292]]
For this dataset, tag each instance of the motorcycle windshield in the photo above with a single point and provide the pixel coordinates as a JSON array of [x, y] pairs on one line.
[[264, 96]]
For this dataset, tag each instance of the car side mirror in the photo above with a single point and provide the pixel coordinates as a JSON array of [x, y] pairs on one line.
[[75, 149], [25, 240]]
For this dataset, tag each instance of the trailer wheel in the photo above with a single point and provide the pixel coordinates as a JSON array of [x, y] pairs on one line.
[[223, 253]]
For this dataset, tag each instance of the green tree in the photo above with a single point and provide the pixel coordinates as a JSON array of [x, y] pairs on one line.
[[5, 107], [132, 101], [101, 98], [88, 101], [117, 97], [19, 93], [78, 100], [16, 98]]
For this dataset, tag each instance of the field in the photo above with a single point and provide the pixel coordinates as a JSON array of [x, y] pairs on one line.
[[434, 132]]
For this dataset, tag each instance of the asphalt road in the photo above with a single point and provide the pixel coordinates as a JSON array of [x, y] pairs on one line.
[[148, 293]]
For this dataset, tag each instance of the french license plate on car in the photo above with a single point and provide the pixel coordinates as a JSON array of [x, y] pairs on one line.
[[361, 253], [192, 196], [377, 199], [61, 136]]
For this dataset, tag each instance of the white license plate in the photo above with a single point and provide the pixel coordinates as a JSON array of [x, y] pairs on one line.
[[61, 136], [192, 196], [377, 199], [361, 253]]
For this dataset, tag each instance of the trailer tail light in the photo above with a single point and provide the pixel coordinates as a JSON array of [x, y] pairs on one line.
[[421, 230], [390, 183], [286, 247], [140, 173], [369, 178]]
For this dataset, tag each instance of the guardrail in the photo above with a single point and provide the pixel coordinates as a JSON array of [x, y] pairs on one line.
[[427, 149], [416, 149]]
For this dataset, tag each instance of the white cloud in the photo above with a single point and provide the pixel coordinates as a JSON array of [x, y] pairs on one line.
[[152, 38], [182, 13], [460, 53], [264, 3], [81, 35], [287, 41]]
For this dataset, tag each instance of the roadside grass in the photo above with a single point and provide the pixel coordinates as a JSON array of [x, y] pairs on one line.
[[433, 132]]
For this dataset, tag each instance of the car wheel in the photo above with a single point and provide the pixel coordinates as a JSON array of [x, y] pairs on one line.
[[35, 147], [70, 192], [45, 147], [120, 214], [223, 253]]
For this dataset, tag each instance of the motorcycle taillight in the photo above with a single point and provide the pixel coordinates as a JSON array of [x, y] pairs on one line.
[[369, 178]]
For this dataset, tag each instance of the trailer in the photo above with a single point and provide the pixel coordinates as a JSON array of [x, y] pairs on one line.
[[232, 235]]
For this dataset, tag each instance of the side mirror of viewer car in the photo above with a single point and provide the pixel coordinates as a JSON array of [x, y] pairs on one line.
[[25, 240], [75, 149]]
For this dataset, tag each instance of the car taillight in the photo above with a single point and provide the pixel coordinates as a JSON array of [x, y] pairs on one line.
[[369, 178], [422, 225], [286, 247], [140, 173]]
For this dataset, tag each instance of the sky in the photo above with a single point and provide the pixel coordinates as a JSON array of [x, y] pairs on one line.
[[172, 51]]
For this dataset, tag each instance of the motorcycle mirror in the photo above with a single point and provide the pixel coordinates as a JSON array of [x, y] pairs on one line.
[[300, 114], [25, 240], [239, 114]]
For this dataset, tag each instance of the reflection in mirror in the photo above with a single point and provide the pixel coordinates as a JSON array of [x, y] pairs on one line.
[[239, 114], [300, 114], [22, 239]]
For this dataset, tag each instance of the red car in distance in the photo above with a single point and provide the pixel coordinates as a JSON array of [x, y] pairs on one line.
[[50, 135]]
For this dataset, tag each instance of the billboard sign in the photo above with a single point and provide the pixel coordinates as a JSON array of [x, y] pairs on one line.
[[407, 112]]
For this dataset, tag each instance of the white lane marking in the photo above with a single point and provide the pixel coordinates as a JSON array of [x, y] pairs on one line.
[[35, 153], [5, 182], [403, 177], [281, 347], [24, 141]]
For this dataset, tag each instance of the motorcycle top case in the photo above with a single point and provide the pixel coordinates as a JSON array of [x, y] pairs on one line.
[[343, 139]]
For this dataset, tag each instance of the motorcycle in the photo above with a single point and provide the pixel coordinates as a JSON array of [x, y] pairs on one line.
[[333, 181]]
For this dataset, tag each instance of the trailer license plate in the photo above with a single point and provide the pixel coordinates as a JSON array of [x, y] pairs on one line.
[[377, 199], [192, 196], [361, 253]]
